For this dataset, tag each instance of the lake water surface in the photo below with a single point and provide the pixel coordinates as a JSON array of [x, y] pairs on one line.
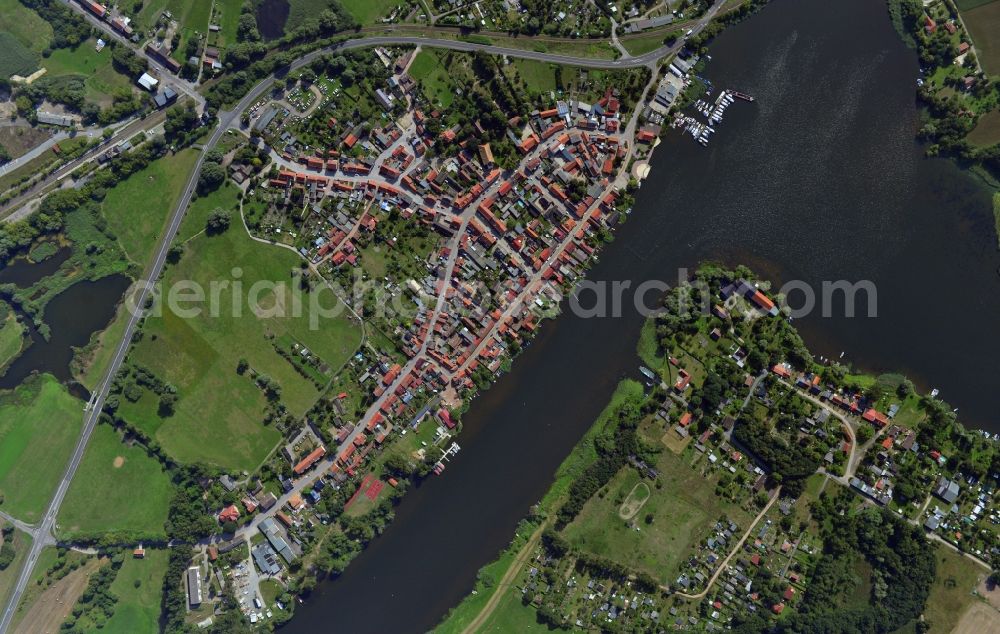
[[819, 180]]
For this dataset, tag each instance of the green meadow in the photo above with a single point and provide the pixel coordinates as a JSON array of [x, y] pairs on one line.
[[219, 413], [39, 426], [118, 489]]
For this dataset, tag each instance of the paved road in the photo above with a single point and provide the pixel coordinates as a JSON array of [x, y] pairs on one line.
[[43, 532], [34, 152], [18, 208], [165, 76], [227, 119]]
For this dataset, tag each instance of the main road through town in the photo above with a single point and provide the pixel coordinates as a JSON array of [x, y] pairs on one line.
[[43, 532]]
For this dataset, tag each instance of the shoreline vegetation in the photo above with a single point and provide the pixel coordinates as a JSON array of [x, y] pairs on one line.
[[81, 219], [504, 592], [996, 215], [954, 91]]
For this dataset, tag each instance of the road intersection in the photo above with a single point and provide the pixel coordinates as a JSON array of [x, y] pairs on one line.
[[43, 532]]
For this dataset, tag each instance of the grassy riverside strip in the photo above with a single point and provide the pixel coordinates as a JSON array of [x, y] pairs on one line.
[[582, 456], [812, 558], [996, 215]]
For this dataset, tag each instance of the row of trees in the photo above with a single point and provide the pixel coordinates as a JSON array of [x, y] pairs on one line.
[[613, 447]]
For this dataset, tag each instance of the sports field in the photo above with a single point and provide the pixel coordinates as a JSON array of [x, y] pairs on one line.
[[219, 413], [117, 489], [137, 208], [681, 510], [39, 426]]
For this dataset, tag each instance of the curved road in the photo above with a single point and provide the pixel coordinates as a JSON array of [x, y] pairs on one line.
[[42, 533]]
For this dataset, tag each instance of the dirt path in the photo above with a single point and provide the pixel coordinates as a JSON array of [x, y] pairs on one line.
[[736, 549], [506, 581]]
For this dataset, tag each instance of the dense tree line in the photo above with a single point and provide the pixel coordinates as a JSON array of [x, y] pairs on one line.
[[68, 29], [7, 551], [97, 603], [902, 568], [613, 448], [173, 605]]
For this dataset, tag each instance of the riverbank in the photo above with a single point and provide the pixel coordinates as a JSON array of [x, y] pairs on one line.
[[508, 595], [761, 194]]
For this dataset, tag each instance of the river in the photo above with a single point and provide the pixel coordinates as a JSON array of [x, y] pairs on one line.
[[820, 179]]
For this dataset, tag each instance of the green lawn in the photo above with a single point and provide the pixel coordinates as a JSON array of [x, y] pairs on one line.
[[117, 489], [151, 10], [270, 590], [193, 16], [364, 11], [538, 76], [642, 45], [39, 426], [137, 208], [100, 78], [219, 413], [11, 336], [511, 615], [25, 25], [138, 608], [428, 70], [987, 130], [227, 16], [682, 510]]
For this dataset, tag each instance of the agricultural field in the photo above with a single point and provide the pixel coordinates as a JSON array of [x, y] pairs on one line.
[[25, 25], [60, 578], [39, 426], [137, 208], [15, 58], [101, 79], [199, 355], [23, 36], [139, 588], [983, 21], [647, 527], [118, 489], [987, 130]]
